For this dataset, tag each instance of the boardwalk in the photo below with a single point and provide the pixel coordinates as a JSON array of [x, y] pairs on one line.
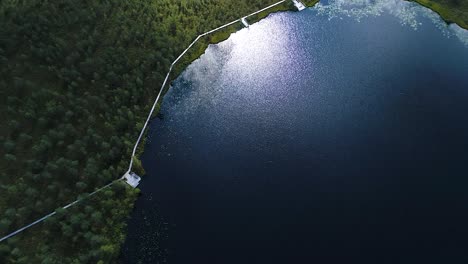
[[129, 177], [55, 212], [150, 114]]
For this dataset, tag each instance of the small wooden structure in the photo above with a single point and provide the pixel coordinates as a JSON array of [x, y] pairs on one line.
[[132, 179], [300, 6], [244, 21]]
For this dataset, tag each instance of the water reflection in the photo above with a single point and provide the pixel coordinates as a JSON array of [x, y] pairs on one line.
[[409, 14], [301, 136], [461, 33], [260, 48]]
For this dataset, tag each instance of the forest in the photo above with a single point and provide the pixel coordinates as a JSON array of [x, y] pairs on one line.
[[77, 79]]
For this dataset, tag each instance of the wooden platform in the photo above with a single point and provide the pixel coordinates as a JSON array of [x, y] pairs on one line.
[[132, 179], [300, 6], [244, 21]]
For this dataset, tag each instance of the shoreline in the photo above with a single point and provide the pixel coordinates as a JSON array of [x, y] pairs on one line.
[[442, 12], [200, 47], [195, 52], [135, 41], [225, 33]]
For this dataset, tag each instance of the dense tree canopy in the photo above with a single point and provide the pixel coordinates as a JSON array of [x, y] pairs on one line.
[[76, 81]]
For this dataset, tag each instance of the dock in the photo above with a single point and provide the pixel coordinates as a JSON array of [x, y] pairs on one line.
[[244, 21], [299, 5], [132, 179]]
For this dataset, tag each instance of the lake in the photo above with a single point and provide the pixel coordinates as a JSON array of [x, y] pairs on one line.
[[338, 134]]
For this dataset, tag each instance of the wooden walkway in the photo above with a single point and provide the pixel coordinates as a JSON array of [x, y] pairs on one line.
[[133, 181]]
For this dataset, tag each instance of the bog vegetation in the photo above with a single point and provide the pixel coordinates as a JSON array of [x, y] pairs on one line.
[[76, 81], [455, 11]]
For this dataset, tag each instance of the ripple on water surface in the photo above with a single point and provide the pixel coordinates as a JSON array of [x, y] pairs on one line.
[[337, 134]]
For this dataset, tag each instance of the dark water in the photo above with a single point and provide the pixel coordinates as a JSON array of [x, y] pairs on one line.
[[309, 140]]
